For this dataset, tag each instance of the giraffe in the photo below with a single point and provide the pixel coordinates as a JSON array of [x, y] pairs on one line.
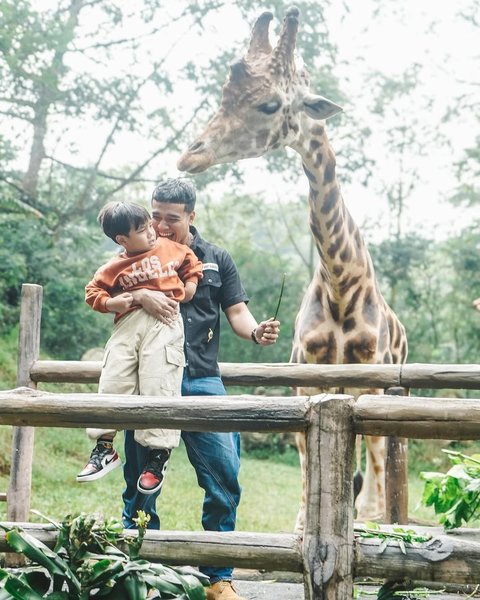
[[343, 318]]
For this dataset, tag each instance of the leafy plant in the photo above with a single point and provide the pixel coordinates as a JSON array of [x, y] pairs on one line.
[[87, 562], [398, 534], [393, 590], [455, 495]]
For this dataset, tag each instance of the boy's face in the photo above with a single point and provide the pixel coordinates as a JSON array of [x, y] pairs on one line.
[[138, 240], [171, 220]]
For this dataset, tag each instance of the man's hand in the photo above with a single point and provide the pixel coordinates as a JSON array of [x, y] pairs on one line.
[[267, 332], [120, 303], [158, 305], [476, 303]]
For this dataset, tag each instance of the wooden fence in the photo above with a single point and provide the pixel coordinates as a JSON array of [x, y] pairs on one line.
[[328, 555]]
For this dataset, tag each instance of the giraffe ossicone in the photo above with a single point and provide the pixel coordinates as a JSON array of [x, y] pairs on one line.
[[267, 104]]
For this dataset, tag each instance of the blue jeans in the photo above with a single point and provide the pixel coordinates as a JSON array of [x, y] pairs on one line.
[[216, 460]]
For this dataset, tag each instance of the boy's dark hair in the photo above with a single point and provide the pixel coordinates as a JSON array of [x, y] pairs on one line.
[[176, 191], [118, 218]]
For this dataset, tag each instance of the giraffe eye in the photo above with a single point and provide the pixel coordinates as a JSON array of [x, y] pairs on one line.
[[269, 107]]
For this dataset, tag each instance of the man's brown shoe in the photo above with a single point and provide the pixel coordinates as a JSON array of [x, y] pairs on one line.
[[222, 590]]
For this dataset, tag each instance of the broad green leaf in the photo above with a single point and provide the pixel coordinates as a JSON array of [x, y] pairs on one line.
[[39, 553], [104, 571], [19, 589], [458, 472], [383, 546], [135, 587]]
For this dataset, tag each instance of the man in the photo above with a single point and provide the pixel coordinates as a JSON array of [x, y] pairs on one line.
[[214, 456]]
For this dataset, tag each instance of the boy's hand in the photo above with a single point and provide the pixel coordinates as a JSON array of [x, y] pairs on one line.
[[120, 303], [267, 332]]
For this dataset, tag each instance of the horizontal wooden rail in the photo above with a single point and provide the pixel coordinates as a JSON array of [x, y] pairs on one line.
[[445, 558], [416, 375], [270, 551], [416, 417], [442, 559], [25, 406]]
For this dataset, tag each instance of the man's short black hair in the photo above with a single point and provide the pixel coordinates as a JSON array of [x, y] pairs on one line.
[[176, 191], [118, 218]]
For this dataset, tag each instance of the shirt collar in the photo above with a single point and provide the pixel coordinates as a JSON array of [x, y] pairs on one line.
[[198, 244]]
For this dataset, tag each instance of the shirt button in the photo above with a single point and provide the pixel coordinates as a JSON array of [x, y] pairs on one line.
[[189, 320], [209, 281], [188, 344]]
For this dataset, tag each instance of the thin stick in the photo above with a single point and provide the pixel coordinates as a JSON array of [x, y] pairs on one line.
[[280, 297]]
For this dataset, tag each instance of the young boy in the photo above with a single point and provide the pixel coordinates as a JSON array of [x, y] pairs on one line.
[[143, 356]]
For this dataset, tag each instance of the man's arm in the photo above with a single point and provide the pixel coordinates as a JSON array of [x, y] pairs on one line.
[[157, 304], [245, 326]]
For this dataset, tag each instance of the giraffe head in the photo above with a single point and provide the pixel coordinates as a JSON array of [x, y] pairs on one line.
[[265, 102]]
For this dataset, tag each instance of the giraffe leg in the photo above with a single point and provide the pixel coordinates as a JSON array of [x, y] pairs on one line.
[[371, 500], [301, 442]]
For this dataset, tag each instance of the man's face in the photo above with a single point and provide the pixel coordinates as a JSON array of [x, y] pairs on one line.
[[172, 221]]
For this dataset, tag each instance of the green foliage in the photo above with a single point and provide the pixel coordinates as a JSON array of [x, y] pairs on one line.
[[404, 538], [87, 562], [56, 493], [455, 495], [399, 535], [404, 590]]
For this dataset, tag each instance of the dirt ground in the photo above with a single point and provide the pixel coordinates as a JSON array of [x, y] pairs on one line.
[[271, 590]]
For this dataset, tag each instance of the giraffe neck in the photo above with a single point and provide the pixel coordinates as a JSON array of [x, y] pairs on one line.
[[344, 258]]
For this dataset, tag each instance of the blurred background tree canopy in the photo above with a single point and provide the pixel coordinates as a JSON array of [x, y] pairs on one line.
[[97, 98]]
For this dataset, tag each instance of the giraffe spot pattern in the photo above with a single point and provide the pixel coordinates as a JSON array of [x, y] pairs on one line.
[[333, 249], [337, 270], [261, 138], [370, 310], [324, 348], [329, 174], [333, 219], [346, 254], [347, 283], [310, 175], [349, 324], [360, 349], [352, 302], [334, 310], [317, 130], [330, 200]]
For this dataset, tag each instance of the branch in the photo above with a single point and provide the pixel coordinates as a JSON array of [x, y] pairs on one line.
[[163, 148], [22, 202]]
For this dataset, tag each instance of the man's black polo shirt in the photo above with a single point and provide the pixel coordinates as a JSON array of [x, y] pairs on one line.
[[220, 288]]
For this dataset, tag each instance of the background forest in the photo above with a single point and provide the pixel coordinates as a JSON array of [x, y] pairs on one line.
[[97, 99]]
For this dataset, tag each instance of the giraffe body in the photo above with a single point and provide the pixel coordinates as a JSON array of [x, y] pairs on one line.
[[267, 104]]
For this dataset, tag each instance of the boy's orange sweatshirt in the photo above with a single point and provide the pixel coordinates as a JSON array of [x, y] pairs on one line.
[[166, 267]]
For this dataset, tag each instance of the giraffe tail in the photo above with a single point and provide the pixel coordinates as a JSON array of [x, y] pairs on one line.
[[358, 477]]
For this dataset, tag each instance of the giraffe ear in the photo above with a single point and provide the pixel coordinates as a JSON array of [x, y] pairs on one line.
[[319, 107]]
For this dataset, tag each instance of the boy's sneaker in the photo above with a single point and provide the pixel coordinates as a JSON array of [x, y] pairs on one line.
[[153, 475], [103, 459]]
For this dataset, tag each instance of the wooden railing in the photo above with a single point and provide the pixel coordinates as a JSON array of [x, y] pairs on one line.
[[328, 554]]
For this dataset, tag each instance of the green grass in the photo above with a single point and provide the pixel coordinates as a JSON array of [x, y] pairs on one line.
[[271, 490], [8, 359]]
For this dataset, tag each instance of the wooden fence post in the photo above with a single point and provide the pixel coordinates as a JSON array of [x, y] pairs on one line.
[[396, 473], [328, 536], [18, 495]]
